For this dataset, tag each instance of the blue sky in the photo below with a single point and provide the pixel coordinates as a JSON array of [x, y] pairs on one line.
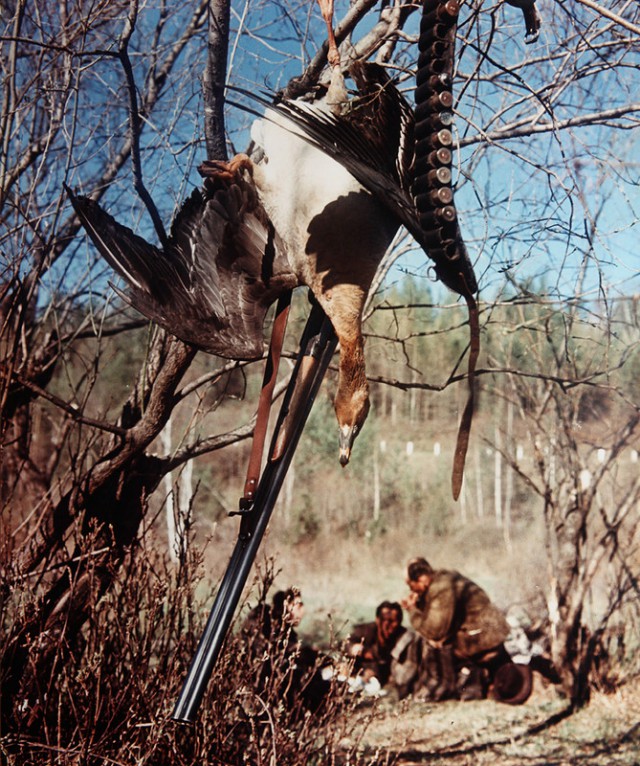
[[551, 208], [547, 208]]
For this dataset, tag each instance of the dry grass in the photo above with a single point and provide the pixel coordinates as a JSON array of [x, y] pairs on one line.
[[606, 733]]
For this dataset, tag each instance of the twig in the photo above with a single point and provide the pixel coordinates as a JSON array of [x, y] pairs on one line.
[[214, 79], [611, 16], [135, 123]]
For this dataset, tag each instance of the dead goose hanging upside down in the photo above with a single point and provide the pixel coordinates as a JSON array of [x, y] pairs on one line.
[[406, 163], [406, 166], [260, 226], [318, 204]]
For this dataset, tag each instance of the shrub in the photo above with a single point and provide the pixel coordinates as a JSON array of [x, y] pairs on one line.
[[111, 700]]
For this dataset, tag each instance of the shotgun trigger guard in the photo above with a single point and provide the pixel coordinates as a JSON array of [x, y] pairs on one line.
[[245, 506], [255, 512]]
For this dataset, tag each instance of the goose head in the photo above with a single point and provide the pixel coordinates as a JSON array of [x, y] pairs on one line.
[[352, 407]]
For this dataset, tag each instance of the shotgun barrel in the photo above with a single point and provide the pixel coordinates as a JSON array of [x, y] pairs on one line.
[[317, 346]]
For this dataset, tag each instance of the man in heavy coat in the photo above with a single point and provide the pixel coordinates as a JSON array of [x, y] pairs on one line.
[[464, 630]]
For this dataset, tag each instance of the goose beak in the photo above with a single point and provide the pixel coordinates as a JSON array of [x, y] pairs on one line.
[[347, 437]]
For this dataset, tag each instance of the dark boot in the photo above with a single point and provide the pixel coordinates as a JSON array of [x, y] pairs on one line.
[[429, 673], [472, 682], [545, 667], [446, 688]]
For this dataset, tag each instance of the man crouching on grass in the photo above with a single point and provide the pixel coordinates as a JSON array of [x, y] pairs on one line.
[[465, 633]]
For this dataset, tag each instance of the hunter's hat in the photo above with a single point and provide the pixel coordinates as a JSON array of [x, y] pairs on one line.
[[512, 683]]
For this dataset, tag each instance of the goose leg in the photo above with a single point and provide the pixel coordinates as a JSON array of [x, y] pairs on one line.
[[333, 55], [531, 18]]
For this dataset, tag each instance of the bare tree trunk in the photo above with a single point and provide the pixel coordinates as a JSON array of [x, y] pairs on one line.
[[479, 490], [288, 493], [376, 484], [170, 505], [463, 503], [214, 79], [185, 494], [509, 478]]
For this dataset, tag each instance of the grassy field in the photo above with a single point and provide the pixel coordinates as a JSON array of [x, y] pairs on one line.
[[486, 733], [342, 581]]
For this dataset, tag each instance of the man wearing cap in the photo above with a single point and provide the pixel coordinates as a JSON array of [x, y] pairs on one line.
[[464, 630]]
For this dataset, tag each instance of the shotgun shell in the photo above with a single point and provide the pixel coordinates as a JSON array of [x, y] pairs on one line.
[[439, 138], [446, 13], [437, 82], [439, 176], [433, 159], [436, 239], [438, 31], [438, 217], [435, 198], [426, 98], [438, 49]]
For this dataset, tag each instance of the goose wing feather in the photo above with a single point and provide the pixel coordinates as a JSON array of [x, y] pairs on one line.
[[207, 286]]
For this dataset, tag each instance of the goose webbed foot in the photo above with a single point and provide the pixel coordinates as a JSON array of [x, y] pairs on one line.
[[531, 18], [227, 171]]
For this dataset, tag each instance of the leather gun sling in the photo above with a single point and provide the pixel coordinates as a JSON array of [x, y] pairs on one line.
[[264, 401]]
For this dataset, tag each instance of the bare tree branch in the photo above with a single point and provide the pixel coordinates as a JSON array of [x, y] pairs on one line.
[[598, 8]]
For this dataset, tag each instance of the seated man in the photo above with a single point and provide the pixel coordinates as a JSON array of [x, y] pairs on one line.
[[288, 667], [463, 630], [276, 622], [381, 650]]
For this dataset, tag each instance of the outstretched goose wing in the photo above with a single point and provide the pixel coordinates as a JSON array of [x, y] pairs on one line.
[[359, 140], [375, 144], [211, 285]]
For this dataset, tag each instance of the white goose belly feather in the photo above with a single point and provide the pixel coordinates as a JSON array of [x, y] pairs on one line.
[[331, 227]]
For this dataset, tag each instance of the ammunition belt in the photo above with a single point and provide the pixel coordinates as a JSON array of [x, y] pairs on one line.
[[432, 191]]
